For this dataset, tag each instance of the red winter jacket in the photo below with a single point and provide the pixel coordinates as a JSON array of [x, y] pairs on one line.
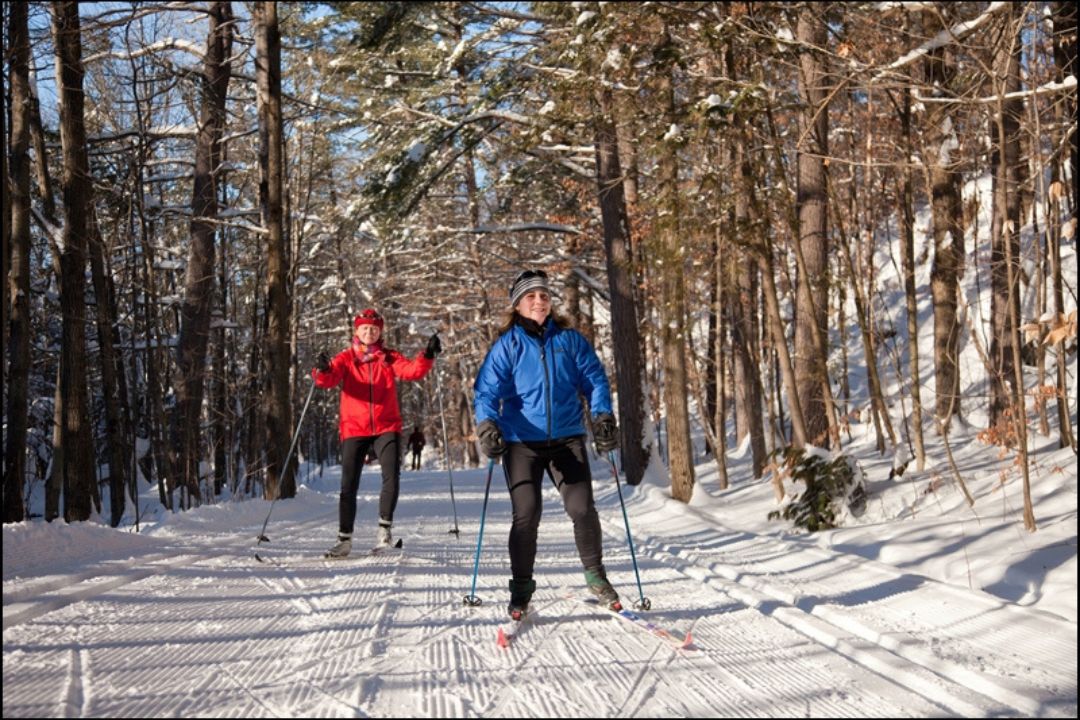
[[369, 403]]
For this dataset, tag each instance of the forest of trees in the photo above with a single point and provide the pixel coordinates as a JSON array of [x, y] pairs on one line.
[[200, 196]]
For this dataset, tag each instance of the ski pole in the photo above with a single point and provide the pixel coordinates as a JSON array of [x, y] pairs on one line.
[[471, 598], [643, 603], [446, 449], [284, 468]]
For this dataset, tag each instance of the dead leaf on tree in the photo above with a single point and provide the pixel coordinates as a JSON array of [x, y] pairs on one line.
[[1061, 328]]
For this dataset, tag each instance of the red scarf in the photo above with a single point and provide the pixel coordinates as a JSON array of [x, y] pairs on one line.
[[367, 353]]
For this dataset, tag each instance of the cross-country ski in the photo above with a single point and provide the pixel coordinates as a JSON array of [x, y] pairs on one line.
[[682, 641]]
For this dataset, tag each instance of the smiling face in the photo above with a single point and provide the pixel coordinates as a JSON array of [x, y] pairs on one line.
[[535, 305], [368, 334]]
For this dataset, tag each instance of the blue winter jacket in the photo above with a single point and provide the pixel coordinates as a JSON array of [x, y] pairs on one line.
[[529, 386]]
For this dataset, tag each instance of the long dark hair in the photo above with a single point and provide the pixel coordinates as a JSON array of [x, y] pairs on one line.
[[510, 319]]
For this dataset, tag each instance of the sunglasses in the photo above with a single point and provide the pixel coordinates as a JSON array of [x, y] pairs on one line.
[[370, 315], [530, 274]]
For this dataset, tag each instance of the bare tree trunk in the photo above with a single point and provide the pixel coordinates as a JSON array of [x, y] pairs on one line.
[[779, 343], [54, 481], [199, 283], [280, 481], [948, 230], [1005, 257], [907, 253], [673, 305], [8, 180], [812, 247], [1064, 14], [17, 266], [628, 155], [625, 329], [714, 353], [464, 407], [944, 286], [79, 467], [113, 386], [1005, 228], [253, 420], [148, 401], [162, 451], [220, 425], [715, 402], [744, 323]]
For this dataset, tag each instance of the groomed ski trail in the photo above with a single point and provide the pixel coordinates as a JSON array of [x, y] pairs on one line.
[[196, 627]]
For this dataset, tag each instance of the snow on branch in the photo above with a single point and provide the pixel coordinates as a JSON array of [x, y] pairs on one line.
[[53, 231], [499, 115], [946, 36], [501, 26], [1067, 84], [525, 227], [597, 287], [168, 43]]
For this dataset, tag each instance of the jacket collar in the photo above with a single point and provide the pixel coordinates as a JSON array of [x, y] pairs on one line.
[[533, 328]]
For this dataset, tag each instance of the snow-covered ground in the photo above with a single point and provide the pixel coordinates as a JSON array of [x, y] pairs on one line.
[[926, 607]]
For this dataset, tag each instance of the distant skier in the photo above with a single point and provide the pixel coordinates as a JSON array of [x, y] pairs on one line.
[[416, 445], [370, 419], [528, 410]]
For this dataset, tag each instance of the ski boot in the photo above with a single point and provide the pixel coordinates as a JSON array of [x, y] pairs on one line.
[[383, 538], [596, 579], [521, 591], [342, 549]]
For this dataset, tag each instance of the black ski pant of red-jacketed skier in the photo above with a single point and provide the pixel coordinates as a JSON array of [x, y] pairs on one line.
[[565, 460], [353, 451]]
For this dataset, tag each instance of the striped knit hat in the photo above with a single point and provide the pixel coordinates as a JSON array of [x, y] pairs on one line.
[[526, 282]]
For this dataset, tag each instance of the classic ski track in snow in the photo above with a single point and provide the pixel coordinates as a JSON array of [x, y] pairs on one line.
[[868, 654], [36, 598], [769, 570], [75, 695], [212, 632]]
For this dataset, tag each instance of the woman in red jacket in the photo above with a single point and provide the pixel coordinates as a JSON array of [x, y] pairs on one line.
[[370, 418]]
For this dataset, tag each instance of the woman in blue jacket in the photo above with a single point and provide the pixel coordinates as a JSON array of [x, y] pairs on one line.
[[528, 411]]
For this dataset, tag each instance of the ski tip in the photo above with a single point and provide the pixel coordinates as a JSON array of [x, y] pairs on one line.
[[501, 640]]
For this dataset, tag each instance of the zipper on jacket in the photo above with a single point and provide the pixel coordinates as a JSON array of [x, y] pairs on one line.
[[547, 387], [371, 394]]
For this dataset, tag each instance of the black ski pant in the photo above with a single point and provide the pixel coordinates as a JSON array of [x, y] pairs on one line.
[[353, 452], [566, 462]]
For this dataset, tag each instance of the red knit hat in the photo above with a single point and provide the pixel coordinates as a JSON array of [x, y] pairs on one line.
[[368, 317]]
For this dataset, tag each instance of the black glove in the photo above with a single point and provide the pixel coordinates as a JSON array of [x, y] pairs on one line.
[[434, 347], [323, 365], [605, 433], [491, 439]]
